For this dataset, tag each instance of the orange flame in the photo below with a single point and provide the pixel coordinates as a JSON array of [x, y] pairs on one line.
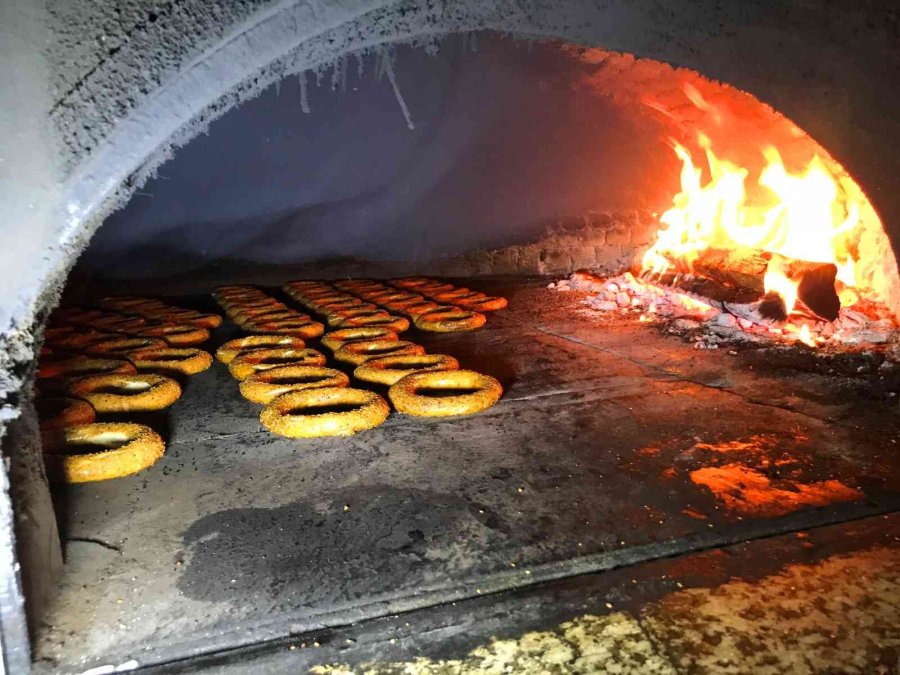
[[776, 281], [805, 215], [801, 334]]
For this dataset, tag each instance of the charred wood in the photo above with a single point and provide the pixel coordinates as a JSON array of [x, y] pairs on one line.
[[738, 275]]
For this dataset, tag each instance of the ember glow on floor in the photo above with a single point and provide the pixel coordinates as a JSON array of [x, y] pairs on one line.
[[613, 445]]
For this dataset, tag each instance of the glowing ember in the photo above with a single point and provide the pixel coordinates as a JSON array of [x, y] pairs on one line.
[[802, 333], [652, 302], [747, 491]]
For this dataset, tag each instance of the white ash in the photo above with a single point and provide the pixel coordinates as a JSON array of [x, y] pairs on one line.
[[711, 323]]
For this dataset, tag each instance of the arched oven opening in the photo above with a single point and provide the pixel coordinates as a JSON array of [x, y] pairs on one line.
[[678, 309]]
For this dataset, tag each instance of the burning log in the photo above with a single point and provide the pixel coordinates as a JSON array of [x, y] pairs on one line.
[[738, 268], [744, 270]]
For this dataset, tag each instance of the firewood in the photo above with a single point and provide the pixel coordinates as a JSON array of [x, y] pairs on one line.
[[743, 270], [740, 268]]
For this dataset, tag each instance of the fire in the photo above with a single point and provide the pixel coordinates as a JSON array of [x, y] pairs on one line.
[[776, 281], [801, 334], [804, 215]]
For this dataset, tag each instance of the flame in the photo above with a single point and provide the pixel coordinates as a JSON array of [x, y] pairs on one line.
[[777, 281], [805, 336], [805, 215]]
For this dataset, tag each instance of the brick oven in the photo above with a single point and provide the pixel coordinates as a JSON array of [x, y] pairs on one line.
[[655, 241]]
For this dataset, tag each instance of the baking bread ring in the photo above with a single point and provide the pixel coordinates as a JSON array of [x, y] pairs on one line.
[[423, 306], [58, 413], [251, 323], [301, 328], [389, 294], [389, 369], [177, 335], [315, 294], [398, 324], [245, 364], [78, 340], [485, 303], [400, 302], [79, 366], [235, 288], [205, 320], [187, 360], [244, 312], [332, 306], [251, 309], [459, 299], [304, 294], [122, 345], [451, 295], [116, 322], [336, 338], [411, 282], [354, 285], [403, 308], [319, 298], [306, 414], [449, 320], [126, 393], [133, 326], [266, 385], [372, 290], [232, 348], [249, 300], [188, 316], [413, 394], [336, 317], [127, 449], [125, 301], [232, 305], [434, 287], [358, 353], [248, 294]]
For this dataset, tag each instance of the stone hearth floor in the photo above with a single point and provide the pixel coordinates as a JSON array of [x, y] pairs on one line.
[[616, 453]]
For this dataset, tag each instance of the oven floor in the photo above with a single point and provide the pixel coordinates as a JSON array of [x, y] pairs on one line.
[[614, 445]]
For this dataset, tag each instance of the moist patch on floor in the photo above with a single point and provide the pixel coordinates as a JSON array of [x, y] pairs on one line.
[[612, 445]]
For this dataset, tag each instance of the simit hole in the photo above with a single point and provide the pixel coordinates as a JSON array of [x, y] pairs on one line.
[[122, 391], [88, 447], [324, 409], [167, 357], [291, 379], [122, 348], [278, 360], [445, 393], [384, 350], [409, 365]]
